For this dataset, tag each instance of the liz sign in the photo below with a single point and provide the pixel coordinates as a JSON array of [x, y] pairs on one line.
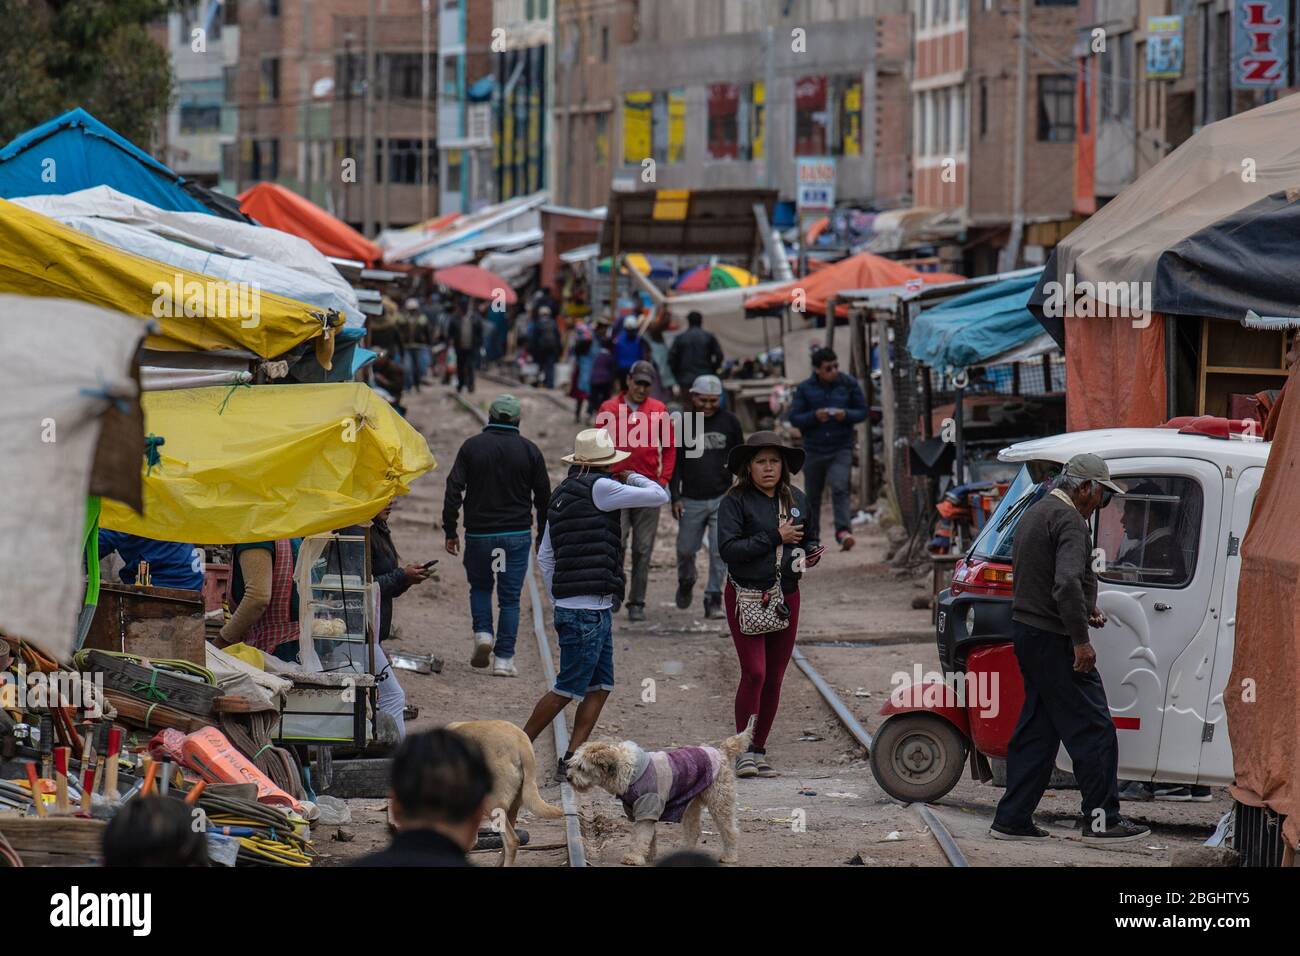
[[815, 183], [1259, 44]]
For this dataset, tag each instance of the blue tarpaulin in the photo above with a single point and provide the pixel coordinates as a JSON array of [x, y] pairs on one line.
[[76, 151], [976, 326]]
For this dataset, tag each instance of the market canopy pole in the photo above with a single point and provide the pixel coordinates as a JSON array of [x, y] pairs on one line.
[[243, 464]]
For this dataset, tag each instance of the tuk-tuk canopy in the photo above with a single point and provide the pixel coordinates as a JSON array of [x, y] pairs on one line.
[[42, 257], [251, 463]]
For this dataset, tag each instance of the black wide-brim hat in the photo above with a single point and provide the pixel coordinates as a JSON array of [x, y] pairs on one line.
[[741, 455]]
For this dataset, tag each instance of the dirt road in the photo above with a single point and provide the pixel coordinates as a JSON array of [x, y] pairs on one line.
[[677, 675]]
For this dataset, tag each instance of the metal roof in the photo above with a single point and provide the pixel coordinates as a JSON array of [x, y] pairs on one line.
[[684, 221]]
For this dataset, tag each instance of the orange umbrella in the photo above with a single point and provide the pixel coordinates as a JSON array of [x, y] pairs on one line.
[[476, 282], [863, 271]]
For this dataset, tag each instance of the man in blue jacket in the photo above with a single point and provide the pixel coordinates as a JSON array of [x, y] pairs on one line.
[[826, 408]]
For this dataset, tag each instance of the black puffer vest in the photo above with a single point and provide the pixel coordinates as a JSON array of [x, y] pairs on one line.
[[586, 541]]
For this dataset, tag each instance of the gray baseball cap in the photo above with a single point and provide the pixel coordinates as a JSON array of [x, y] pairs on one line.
[[642, 372], [707, 385], [1091, 468]]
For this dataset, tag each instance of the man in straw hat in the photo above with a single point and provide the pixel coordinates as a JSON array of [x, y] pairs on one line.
[[581, 562]]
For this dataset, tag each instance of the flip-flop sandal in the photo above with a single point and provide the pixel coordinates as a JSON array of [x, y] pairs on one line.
[[745, 766]]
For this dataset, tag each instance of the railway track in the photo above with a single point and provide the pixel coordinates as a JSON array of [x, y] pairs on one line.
[[942, 836], [574, 847]]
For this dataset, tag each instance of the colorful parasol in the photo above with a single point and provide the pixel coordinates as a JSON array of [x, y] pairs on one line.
[[651, 266], [704, 278], [476, 282]]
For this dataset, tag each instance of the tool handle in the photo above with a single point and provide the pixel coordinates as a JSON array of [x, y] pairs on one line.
[[37, 797]]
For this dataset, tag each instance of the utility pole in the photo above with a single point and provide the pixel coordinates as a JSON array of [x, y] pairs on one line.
[[769, 82], [344, 207], [1011, 251], [305, 98], [424, 111], [567, 56], [367, 164]]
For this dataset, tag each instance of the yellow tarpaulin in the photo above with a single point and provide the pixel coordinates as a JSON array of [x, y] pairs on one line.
[[277, 461], [42, 257]]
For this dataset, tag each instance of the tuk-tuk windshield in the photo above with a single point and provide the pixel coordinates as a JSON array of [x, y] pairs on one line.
[[995, 541]]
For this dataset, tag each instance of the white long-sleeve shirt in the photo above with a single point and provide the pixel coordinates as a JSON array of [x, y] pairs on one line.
[[608, 495]]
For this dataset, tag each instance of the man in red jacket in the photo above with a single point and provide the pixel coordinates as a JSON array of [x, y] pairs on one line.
[[640, 425]]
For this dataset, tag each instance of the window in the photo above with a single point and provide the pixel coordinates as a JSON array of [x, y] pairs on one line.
[[602, 139], [1055, 108], [604, 44], [847, 95], [405, 71], [654, 126], [229, 161], [758, 120], [273, 8], [404, 160], [1056, 3], [268, 86], [230, 17], [728, 122], [812, 134], [266, 159], [984, 107], [229, 84], [200, 102], [1149, 534]]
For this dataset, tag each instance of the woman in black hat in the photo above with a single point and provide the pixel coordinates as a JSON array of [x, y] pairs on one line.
[[761, 519]]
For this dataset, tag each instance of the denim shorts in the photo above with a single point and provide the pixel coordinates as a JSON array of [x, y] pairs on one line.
[[586, 652]]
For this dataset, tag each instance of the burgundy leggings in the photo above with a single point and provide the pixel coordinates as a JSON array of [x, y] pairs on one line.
[[763, 659]]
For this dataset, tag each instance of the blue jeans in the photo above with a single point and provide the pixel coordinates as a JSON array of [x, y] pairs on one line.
[[586, 652], [500, 559]]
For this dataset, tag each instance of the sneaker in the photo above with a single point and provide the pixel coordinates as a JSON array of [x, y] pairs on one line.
[[482, 650], [1135, 791], [635, 612], [745, 766], [713, 608], [504, 667], [1121, 831], [1177, 793], [845, 540], [1021, 834], [763, 767], [684, 589]]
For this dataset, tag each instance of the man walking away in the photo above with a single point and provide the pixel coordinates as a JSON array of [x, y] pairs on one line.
[[439, 795], [502, 478], [693, 353], [697, 487], [826, 407], [641, 426], [468, 336], [582, 566], [1054, 604], [545, 345]]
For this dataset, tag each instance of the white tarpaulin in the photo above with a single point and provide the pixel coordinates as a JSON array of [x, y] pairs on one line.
[[514, 267], [265, 258], [61, 365], [154, 378]]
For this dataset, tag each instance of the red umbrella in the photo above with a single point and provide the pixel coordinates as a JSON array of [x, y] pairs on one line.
[[475, 282]]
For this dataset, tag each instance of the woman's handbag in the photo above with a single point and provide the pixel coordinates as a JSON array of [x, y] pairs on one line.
[[762, 610]]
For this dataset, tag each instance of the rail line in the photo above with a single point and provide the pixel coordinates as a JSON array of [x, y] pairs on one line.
[[942, 836], [575, 848]]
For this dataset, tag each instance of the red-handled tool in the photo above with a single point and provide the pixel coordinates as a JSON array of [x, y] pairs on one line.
[[37, 797]]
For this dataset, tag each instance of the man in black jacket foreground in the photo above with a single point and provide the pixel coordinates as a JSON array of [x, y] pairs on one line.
[[502, 478], [698, 483], [1054, 604], [439, 794]]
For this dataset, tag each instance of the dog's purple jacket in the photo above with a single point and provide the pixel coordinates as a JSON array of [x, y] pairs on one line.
[[668, 780]]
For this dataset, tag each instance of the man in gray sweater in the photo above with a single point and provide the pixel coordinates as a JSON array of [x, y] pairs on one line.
[[1054, 605]]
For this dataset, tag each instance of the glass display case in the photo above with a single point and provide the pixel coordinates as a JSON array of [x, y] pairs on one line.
[[338, 601]]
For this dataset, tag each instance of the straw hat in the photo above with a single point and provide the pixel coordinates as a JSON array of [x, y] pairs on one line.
[[740, 456], [594, 446]]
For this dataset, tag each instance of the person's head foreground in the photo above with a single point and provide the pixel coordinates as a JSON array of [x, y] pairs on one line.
[[154, 831], [594, 449], [440, 782]]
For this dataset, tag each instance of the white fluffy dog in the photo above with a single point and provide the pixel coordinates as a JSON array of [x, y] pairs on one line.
[[670, 785]]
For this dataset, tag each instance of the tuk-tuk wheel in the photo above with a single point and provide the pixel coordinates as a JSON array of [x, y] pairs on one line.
[[918, 758]]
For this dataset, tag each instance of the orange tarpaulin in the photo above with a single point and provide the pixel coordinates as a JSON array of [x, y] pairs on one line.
[[863, 271], [1114, 373], [1260, 698], [273, 205]]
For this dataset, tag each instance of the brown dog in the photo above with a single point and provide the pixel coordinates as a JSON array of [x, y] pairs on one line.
[[509, 755]]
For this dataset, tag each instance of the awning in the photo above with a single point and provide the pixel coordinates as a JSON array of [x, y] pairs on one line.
[[475, 231], [253, 463], [44, 258], [862, 271], [236, 251], [686, 222], [973, 328], [273, 205]]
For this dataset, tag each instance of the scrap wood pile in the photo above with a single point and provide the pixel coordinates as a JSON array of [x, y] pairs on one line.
[[163, 727]]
